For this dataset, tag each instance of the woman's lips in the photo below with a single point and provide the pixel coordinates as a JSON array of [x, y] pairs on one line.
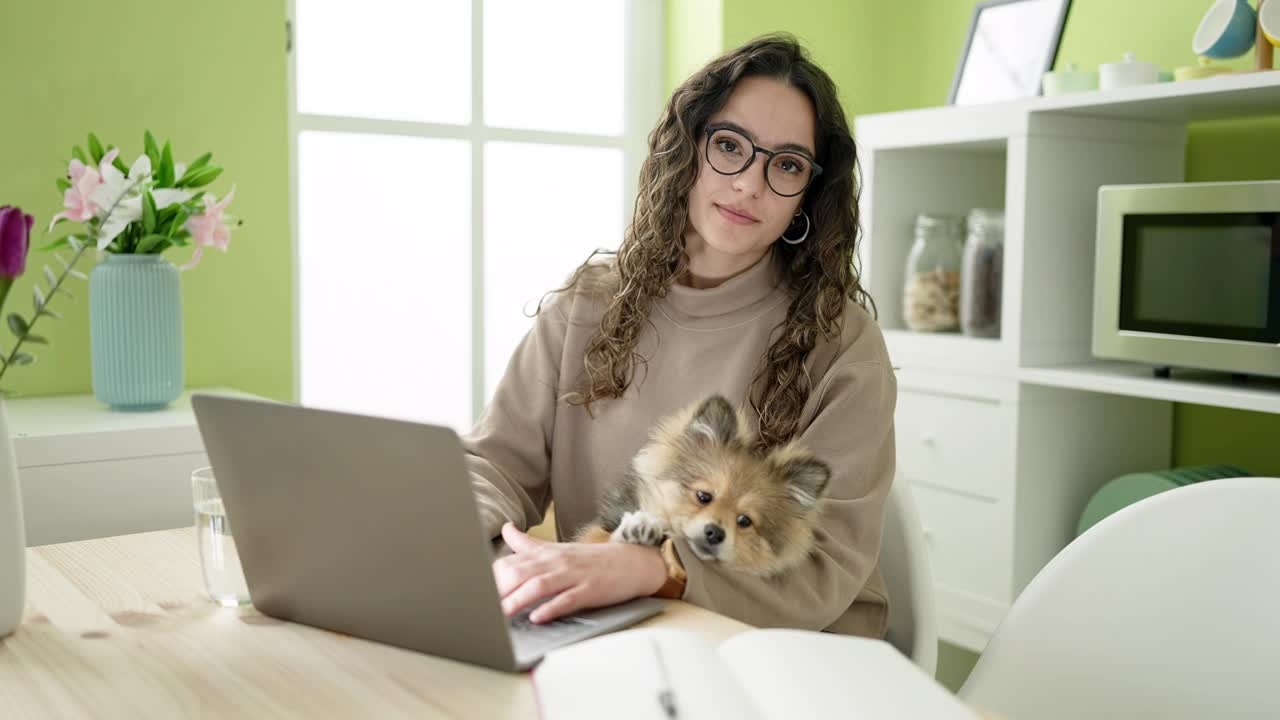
[[734, 217]]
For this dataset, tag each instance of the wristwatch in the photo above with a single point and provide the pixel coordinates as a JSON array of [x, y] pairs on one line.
[[676, 576]]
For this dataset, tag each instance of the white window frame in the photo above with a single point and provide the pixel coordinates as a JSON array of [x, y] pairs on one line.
[[642, 102]]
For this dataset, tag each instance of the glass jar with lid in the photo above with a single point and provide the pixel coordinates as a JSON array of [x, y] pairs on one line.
[[931, 288], [981, 274]]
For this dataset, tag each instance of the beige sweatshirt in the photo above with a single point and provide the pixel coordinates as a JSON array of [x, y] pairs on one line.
[[528, 448]]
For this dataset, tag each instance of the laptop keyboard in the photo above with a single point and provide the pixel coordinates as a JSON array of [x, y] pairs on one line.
[[529, 638]]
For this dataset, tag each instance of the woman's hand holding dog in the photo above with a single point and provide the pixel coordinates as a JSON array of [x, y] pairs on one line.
[[579, 575]]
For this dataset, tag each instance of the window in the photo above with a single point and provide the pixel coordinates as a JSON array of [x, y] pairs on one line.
[[451, 162]]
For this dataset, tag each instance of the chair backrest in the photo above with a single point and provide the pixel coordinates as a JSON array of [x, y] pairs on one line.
[[1165, 609], [908, 576]]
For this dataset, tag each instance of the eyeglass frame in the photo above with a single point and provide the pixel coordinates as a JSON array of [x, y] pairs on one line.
[[755, 150]]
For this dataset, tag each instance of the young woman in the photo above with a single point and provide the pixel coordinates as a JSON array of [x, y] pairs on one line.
[[736, 277]]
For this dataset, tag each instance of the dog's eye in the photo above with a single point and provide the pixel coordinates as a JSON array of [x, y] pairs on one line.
[[703, 496], [744, 521]]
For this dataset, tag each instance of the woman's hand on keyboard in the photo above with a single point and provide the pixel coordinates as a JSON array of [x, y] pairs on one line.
[[579, 575]]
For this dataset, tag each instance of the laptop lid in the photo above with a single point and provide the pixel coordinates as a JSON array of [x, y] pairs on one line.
[[358, 524]]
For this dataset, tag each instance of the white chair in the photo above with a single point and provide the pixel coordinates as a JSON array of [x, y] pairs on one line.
[[908, 576], [1169, 608]]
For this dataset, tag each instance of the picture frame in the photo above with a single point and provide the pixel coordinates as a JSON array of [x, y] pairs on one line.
[[1010, 45]]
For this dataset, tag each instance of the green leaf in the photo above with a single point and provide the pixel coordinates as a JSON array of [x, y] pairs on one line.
[[164, 215], [148, 212], [148, 244], [23, 359], [201, 177], [55, 244], [198, 163], [165, 175], [151, 149], [78, 154], [176, 222], [95, 149], [63, 184], [18, 325], [66, 292], [52, 313], [118, 163], [37, 339]]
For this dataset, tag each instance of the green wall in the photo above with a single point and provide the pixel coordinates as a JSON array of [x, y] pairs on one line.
[[209, 78], [694, 33], [899, 56]]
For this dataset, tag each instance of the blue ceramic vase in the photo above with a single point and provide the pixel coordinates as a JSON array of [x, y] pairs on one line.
[[135, 332]]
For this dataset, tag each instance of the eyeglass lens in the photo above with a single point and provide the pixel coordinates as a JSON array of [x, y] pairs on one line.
[[729, 153]]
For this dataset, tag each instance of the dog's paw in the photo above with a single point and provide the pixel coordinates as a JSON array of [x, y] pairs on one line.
[[640, 528]]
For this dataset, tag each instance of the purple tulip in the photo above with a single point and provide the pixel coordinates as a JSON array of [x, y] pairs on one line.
[[15, 238]]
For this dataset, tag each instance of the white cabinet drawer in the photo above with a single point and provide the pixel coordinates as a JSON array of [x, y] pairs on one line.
[[956, 442], [969, 542], [78, 501]]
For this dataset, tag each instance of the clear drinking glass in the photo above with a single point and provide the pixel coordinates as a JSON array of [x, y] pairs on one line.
[[223, 577]]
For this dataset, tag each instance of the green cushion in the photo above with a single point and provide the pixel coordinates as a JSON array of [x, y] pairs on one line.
[[1128, 489]]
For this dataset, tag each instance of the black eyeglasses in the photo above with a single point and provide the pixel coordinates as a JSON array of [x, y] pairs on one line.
[[788, 173]]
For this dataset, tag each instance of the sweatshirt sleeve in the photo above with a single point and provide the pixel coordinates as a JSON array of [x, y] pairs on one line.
[[852, 431], [507, 453]]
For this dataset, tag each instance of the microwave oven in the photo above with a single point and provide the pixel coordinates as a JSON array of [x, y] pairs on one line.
[[1188, 275]]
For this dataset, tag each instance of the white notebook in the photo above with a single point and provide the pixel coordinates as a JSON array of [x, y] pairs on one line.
[[756, 675]]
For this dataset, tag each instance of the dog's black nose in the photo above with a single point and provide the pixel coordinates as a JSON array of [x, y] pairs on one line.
[[715, 534]]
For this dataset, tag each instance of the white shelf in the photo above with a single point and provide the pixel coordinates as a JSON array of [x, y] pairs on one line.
[[77, 428], [1185, 386], [1217, 98], [974, 356], [988, 126]]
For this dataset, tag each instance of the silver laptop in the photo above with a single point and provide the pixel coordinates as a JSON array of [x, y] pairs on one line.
[[368, 526]]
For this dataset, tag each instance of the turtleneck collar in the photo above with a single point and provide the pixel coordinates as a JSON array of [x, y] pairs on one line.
[[741, 296]]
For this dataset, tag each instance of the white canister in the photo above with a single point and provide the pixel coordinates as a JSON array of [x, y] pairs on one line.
[[13, 545], [1127, 73]]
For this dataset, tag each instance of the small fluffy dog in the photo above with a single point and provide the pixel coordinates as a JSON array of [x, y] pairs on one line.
[[698, 477]]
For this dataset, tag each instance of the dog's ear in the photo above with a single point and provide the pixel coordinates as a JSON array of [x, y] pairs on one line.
[[806, 479], [714, 421]]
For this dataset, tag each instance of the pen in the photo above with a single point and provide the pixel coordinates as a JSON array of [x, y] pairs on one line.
[[666, 695]]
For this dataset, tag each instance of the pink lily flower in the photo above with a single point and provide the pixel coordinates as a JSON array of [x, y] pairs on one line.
[[84, 180], [208, 229]]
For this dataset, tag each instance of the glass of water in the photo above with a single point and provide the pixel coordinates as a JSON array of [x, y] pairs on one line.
[[223, 577]]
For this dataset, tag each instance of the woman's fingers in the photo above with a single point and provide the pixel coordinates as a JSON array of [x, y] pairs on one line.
[[567, 602], [533, 590], [513, 570], [518, 541]]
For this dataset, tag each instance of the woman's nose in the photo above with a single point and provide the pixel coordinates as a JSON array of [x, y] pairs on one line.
[[752, 179]]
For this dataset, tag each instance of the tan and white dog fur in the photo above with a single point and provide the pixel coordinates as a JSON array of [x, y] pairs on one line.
[[699, 479]]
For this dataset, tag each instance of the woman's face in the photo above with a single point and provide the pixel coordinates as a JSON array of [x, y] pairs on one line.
[[733, 219]]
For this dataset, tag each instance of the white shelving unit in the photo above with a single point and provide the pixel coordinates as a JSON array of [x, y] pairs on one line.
[[1186, 386], [88, 472], [1004, 440]]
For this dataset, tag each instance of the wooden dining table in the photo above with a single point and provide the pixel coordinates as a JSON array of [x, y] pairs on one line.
[[121, 627]]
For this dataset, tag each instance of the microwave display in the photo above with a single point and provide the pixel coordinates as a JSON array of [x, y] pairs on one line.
[[1214, 275]]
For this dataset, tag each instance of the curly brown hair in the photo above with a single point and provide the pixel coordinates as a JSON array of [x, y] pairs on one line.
[[822, 272]]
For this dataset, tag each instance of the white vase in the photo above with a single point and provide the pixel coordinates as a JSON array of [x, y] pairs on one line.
[[13, 544]]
